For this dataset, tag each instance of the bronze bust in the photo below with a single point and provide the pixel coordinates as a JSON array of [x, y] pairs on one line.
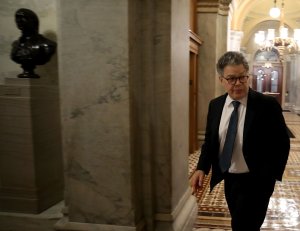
[[31, 48]]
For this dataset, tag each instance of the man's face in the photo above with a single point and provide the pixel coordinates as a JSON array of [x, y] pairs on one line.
[[235, 80]]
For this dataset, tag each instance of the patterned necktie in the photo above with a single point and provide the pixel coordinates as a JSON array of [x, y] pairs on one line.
[[225, 158]]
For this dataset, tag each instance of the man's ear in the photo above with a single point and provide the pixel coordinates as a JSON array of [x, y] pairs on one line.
[[250, 78]]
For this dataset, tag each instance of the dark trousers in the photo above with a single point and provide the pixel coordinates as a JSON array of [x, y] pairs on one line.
[[248, 198]]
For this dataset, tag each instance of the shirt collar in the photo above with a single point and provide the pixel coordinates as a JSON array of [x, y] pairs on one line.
[[243, 101]]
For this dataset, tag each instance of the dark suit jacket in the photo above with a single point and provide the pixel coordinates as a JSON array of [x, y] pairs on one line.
[[266, 143]]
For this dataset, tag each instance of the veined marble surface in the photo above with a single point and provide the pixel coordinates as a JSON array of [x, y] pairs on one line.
[[95, 110]]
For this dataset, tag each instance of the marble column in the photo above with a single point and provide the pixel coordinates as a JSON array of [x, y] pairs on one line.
[[296, 86], [124, 81], [212, 29], [222, 35], [235, 39], [290, 71]]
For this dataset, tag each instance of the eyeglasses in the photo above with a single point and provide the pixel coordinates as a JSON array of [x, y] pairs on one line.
[[232, 80]]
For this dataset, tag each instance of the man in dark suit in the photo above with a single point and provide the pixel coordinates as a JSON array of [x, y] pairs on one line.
[[260, 150]]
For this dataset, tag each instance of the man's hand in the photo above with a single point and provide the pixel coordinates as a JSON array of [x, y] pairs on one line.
[[196, 181]]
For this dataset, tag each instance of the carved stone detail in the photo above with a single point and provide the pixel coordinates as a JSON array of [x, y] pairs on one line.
[[224, 7]]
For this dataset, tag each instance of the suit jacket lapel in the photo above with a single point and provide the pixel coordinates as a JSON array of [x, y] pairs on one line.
[[218, 113], [250, 112]]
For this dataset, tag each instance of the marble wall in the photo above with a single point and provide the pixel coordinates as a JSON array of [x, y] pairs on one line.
[[46, 11], [123, 84], [125, 114]]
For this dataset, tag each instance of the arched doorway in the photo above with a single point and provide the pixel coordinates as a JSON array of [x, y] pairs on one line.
[[268, 73]]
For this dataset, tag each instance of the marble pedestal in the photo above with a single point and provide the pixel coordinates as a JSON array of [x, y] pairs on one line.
[[31, 178]]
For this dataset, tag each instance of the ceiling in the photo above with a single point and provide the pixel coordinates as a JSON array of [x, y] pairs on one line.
[[250, 16]]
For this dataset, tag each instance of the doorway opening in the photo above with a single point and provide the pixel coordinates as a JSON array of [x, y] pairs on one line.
[[268, 73]]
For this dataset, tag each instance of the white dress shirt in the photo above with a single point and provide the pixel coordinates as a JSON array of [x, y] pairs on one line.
[[238, 163]]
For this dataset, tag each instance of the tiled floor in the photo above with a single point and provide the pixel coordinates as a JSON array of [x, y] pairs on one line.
[[284, 208]]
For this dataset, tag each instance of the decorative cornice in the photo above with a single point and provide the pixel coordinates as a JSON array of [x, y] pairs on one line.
[[207, 6], [225, 2], [213, 6]]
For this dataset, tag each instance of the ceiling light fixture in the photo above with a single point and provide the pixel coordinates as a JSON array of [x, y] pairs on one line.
[[274, 11], [268, 41]]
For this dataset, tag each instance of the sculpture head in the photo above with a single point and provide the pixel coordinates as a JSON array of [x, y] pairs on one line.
[[31, 48], [27, 21]]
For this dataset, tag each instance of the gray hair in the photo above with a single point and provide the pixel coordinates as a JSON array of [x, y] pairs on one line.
[[231, 58]]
